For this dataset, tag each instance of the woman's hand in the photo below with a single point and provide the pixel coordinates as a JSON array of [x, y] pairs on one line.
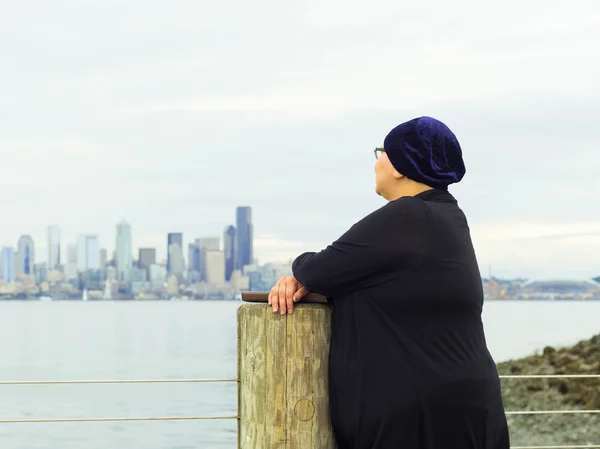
[[285, 293]]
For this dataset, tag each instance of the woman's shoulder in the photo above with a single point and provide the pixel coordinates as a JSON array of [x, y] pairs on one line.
[[407, 205], [407, 202], [407, 209]]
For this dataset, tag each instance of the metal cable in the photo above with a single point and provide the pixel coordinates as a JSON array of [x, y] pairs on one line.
[[552, 376], [552, 412], [134, 418], [581, 446], [191, 418], [109, 381], [157, 381]]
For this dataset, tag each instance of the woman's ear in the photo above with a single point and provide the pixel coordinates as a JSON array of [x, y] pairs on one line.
[[398, 175]]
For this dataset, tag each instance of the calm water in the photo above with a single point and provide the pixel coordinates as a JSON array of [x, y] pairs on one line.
[[128, 340]]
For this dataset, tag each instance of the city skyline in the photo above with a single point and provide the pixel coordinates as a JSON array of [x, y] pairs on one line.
[[187, 242], [87, 253], [107, 240], [211, 269]]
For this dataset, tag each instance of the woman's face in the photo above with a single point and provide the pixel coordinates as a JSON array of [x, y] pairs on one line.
[[385, 175]]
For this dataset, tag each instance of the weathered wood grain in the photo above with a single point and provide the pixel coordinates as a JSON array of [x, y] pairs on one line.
[[282, 366]]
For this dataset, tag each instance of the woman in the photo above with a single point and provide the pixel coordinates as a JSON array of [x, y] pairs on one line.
[[409, 366]]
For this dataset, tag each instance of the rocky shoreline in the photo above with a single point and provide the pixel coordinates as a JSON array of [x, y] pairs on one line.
[[554, 394]]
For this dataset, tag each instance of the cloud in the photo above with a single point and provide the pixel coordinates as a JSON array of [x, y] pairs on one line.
[[550, 249]]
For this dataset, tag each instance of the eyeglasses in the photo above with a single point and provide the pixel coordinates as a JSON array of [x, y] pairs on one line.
[[379, 152]]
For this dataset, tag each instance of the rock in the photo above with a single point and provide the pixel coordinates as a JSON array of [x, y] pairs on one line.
[[549, 350]]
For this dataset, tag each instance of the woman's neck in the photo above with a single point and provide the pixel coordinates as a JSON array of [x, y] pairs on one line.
[[410, 189]]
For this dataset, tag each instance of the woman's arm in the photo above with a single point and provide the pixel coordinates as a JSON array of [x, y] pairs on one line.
[[390, 238]]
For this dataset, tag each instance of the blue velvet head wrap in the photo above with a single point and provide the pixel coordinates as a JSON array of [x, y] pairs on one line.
[[426, 151]]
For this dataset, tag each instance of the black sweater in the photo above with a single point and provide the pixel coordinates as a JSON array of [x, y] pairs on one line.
[[408, 365]]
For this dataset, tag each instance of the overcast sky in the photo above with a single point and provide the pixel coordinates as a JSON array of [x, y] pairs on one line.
[[170, 114]]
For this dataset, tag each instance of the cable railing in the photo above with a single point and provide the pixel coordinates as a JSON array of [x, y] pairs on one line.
[[577, 446], [232, 380], [552, 412], [551, 376], [236, 417], [115, 419], [113, 381]]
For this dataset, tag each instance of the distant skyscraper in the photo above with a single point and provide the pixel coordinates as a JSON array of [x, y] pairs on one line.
[[53, 247], [71, 269], [229, 249], [215, 267], [244, 237], [26, 255], [158, 275], [146, 257], [41, 272], [174, 238], [209, 243], [7, 259], [18, 264], [103, 258], [111, 274], [88, 253], [124, 251], [177, 261], [193, 259], [205, 244]]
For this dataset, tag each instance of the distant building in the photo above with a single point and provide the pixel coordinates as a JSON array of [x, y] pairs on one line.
[[88, 253], [174, 238], [138, 275], [493, 290], [41, 272], [262, 278], [244, 237], [139, 286], [205, 244], [146, 257], [212, 243], [111, 274], [55, 276], [229, 240], [53, 247], [559, 289], [26, 255], [194, 264], [7, 264], [215, 267], [172, 285], [92, 279], [239, 281], [18, 266], [111, 286], [561, 285], [103, 258], [124, 251], [158, 276], [176, 261], [71, 268]]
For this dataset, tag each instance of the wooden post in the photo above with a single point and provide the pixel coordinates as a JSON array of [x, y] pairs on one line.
[[282, 367]]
